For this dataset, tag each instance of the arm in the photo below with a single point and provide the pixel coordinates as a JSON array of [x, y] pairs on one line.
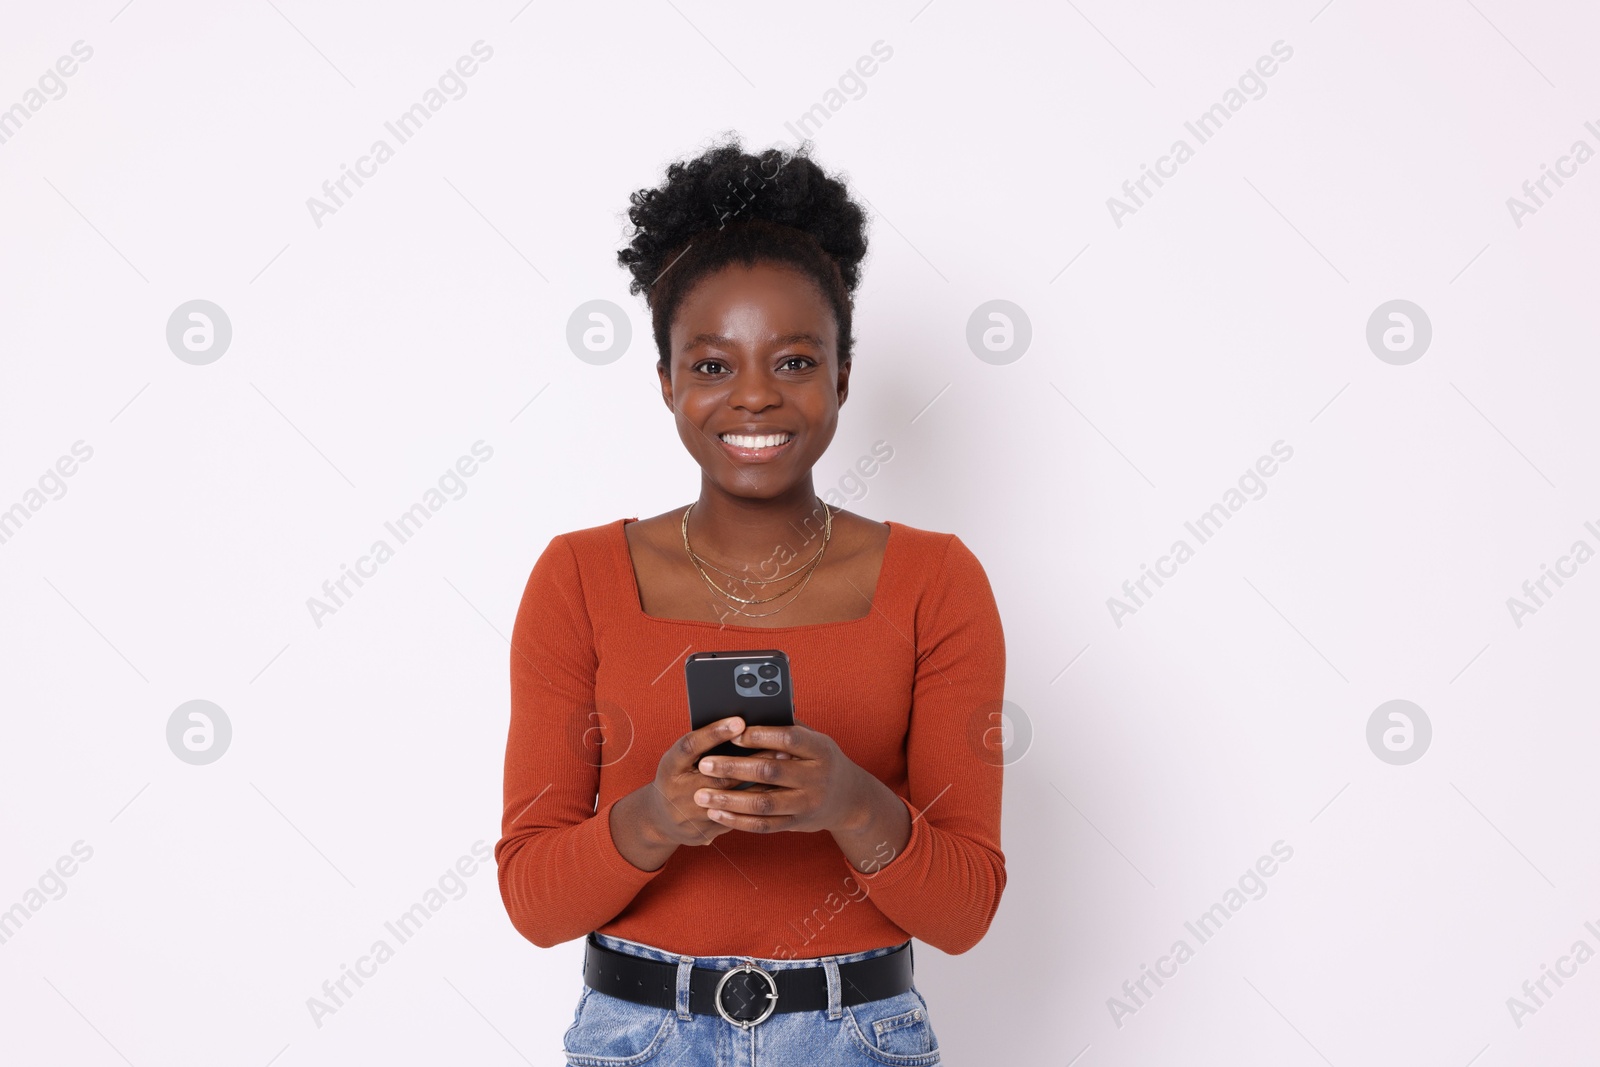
[[561, 873], [944, 885], [931, 861]]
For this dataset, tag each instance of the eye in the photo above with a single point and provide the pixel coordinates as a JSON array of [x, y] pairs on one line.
[[806, 361], [700, 368]]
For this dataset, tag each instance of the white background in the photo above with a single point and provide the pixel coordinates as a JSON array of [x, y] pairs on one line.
[[1168, 753]]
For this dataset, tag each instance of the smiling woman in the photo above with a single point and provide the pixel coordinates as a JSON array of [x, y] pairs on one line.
[[897, 654]]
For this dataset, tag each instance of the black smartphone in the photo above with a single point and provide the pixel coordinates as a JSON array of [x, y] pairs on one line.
[[755, 685]]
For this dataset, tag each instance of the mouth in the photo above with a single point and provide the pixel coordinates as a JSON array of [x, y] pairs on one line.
[[755, 447]]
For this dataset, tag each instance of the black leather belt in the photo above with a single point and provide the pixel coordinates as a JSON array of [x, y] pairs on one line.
[[746, 994]]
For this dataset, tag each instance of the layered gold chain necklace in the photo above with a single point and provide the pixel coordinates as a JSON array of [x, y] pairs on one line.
[[809, 568]]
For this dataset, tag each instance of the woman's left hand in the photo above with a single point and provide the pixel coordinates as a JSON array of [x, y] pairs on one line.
[[809, 784]]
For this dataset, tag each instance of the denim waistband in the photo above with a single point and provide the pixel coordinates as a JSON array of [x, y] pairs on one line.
[[722, 963]]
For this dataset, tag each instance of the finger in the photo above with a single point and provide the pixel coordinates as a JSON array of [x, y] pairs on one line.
[[734, 783], [756, 824], [799, 741], [711, 781], [770, 771], [751, 802], [693, 817], [695, 743], [716, 782]]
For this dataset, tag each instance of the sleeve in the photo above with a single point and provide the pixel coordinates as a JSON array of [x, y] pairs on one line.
[[945, 885], [561, 875]]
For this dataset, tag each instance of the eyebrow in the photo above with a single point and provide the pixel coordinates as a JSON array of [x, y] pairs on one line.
[[718, 340]]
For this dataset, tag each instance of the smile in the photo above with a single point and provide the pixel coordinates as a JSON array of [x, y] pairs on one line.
[[753, 447], [767, 441]]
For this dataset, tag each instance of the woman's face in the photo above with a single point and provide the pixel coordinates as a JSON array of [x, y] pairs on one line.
[[755, 356]]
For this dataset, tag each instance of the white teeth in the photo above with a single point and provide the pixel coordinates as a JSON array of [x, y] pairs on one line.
[[741, 441]]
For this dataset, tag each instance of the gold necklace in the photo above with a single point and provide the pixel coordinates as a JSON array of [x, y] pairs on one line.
[[827, 535], [745, 578], [693, 557]]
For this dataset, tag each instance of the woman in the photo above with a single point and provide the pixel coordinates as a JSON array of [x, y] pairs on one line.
[[754, 909]]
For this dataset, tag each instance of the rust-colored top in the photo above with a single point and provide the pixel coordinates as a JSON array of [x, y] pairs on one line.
[[911, 692]]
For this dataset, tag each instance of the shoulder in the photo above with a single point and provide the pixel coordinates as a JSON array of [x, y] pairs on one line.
[[585, 550], [951, 591], [935, 550], [573, 573], [940, 567], [590, 539]]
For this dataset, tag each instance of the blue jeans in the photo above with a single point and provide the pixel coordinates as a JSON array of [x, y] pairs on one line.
[[609, 1032]]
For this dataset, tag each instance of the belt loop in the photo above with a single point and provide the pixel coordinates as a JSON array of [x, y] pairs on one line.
[[830, 966], [685, 970]]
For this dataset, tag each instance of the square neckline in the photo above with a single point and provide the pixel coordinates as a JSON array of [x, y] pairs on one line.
[[638, 602]]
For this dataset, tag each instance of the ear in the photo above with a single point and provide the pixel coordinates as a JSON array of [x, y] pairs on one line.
[[844, 382], [666, 388]]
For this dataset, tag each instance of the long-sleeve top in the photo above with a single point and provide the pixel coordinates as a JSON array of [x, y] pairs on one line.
[[911, 692]]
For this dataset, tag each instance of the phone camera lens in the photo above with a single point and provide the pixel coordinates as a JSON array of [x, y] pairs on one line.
[[769, 688], [744, 681], [768, 670]]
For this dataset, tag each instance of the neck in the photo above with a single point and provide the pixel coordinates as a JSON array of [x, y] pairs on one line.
[[761, 535]]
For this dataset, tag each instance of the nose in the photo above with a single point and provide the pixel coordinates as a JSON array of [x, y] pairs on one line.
[[754, 389]]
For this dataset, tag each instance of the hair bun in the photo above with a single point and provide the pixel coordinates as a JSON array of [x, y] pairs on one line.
[[726, 185]]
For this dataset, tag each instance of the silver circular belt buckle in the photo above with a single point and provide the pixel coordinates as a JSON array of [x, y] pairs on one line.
[[771, 997]]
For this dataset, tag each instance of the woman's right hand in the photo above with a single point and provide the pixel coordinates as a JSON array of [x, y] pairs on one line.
[[677, 817], [650, 823]]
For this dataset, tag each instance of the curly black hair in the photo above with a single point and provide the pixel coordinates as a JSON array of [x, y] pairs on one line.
[[726, 206]]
